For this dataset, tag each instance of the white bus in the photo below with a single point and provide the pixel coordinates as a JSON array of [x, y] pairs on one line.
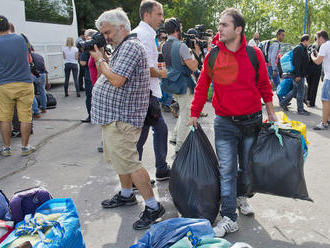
[[47, 24]]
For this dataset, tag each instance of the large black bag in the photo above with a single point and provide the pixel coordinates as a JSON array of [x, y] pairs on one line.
[[195, 178], [276, 169], [51, 101]]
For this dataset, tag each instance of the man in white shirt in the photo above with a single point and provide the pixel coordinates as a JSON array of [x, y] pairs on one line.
[[255, 41], [318, 58], [151, 14]]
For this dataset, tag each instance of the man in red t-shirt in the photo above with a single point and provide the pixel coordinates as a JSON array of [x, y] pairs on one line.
[[238, 90]]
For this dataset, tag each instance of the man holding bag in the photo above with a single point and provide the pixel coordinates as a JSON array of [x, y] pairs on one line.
[[239, 86]]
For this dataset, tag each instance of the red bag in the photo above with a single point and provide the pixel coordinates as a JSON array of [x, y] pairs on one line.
[[6, 227]]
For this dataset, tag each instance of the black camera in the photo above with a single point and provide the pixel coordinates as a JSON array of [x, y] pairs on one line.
[[197, 32], [97, 39]]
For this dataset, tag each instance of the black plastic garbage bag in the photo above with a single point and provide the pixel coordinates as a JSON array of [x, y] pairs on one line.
[[195, 178], [277, 169]]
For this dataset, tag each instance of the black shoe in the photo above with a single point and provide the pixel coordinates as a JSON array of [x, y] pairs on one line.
[[284, 107], [82, 89], [172, 142], [88, 119], [303, 112], [152, 182], [66, 94], [100, 148], [78, 94], [148, 217], [163, 176], [118, 201]]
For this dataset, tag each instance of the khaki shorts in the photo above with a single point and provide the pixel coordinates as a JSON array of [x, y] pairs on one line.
[[119, 147], [20, 94]]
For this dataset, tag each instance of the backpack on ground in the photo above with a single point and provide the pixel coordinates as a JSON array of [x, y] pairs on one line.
[[287, 62], [51, 100], [4, 207], [27, 201], [251, 54]]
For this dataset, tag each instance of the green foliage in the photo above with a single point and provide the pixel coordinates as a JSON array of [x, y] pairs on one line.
[[264, 16]]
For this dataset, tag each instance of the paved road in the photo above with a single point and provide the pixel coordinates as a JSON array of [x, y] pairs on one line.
[[68, 164]]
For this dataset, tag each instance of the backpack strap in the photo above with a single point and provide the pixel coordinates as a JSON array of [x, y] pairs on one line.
[[251, 54]]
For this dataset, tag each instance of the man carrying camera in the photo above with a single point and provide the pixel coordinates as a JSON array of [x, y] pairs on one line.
[[180, 64], [15, 87], [119, 103]]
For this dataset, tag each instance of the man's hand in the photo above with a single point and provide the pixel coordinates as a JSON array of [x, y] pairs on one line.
[[162, 73], [193, 121], [272, 117], [297, 79], [274, 73], [96, 53], [48, 85]]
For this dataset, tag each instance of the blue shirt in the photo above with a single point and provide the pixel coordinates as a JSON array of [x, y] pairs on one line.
[[14, 64]]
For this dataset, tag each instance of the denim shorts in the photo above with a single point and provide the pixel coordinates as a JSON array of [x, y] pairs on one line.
[[326, 90]]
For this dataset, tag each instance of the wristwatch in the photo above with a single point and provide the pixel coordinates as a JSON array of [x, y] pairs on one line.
[[99, 61]]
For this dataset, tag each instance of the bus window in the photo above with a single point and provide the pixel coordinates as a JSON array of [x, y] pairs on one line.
[[49, 11]]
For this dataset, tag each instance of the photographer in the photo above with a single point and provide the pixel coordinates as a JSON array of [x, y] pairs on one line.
[[179, 80]]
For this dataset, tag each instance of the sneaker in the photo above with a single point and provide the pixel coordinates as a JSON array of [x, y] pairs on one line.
[[148, 217], [6, 151], [166, 108], [163, 176], [152, 182], [27, 150], [243, 206], [36, 116], [118, 201], [303, 112], [225, 225], [321, 126]]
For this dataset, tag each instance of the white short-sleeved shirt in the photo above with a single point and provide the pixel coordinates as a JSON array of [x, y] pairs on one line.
[[325, 52], [70, 54], [146, 34]]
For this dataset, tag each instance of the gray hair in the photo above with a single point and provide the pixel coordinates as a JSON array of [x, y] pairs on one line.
[[90, 32], [115, 17]]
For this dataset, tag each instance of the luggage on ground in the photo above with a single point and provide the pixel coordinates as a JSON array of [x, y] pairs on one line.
[[55, 224], [27, 201], [195, 178]]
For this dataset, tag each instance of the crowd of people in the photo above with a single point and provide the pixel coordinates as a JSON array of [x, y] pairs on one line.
[[126, 87]]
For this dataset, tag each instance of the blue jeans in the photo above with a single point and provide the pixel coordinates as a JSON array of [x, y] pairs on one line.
[[68, 67], [298, 91], [40, 83], [35, 109], [276, 80], [160, 141], [232, 145]]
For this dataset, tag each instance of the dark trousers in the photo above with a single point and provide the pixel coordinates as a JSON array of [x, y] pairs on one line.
[[67, 69], [160, 141], [88, 91], [313, 83], [82, 70]]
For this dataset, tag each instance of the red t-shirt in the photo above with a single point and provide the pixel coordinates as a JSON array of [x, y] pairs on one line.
[[92, 70], [236, 91]]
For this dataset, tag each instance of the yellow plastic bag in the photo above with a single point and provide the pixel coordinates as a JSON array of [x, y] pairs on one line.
[[296, 125]]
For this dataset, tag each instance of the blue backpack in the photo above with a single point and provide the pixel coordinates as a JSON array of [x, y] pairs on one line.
[[287, 62], [4, 208]]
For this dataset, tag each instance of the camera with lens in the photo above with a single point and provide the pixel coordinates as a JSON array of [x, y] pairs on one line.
[[97, 39], [197, 32]]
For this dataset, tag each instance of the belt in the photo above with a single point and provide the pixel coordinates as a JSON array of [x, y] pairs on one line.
[[237, 118]]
